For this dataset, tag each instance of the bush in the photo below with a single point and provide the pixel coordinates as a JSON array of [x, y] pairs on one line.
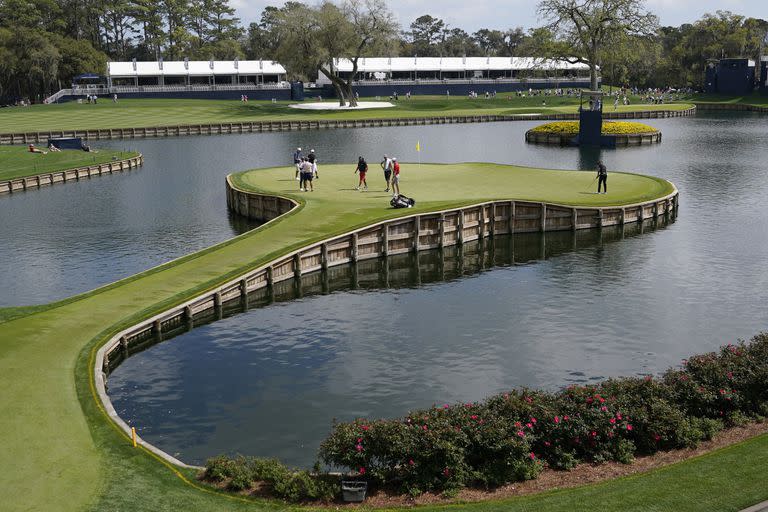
[[511, 436], [609, 128], [242, 473]]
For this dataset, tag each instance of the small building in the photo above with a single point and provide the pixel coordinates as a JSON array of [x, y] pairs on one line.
[[190, 73], [764, 76], [730, 76]]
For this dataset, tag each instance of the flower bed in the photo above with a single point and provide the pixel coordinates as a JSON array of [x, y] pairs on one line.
[[512, 436], [609, 128]]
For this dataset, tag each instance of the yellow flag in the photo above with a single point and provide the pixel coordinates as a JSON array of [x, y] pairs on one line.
[[418, 146]]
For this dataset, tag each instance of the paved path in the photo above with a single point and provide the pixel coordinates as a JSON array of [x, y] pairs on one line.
[[760, 507]]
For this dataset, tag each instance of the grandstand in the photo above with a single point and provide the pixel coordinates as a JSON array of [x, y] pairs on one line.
[[380, 76]]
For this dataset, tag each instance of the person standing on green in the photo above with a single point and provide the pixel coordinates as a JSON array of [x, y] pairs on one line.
[[602, 177]]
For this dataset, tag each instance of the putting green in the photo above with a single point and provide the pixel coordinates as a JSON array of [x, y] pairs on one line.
[[60, 451], [18, 162]]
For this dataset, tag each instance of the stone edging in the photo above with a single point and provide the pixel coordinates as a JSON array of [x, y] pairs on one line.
[[284, 126], [395, 236], [741, 107], [622, 139], [49, 178]]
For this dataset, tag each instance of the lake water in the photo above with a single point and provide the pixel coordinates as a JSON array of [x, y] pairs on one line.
[[270, 381]]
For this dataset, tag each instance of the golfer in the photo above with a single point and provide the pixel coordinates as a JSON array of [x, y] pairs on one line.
[[395, 177], [386, 164], [362, 168], [297, 162], [312, 159], [602, 177], [306, 176]]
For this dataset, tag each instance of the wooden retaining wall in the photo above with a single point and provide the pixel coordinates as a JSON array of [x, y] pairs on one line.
[[561, 139], [284, 126], [412, 233], [39, 180], [737, 107]]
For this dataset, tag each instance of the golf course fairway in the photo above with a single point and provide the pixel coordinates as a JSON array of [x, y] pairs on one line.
[[60, 452]]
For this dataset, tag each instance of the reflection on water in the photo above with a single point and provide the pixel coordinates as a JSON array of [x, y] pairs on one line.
[[269, 380]]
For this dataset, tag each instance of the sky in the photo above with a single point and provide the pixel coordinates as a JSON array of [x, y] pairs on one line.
[[472, 15]]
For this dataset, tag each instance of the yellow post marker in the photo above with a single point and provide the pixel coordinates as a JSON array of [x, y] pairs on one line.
[[133, 436]]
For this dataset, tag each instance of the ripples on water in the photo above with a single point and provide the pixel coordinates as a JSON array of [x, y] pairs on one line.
[[269, 382]]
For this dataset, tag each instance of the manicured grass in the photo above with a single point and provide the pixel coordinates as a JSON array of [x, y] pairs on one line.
[[158, 112], [751, 99], [17, 161], [61, 452]]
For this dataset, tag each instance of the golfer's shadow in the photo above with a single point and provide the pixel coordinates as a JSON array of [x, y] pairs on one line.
[[590, 193]]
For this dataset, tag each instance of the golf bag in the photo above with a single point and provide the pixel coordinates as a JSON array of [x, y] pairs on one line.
[[401, 201]]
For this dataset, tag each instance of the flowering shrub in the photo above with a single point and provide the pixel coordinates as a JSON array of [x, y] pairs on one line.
[[510, 437], [609, 128]]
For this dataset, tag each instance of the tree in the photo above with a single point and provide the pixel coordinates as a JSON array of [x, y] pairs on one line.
[[491, 42], [311, 38], [425, 35], [583, 27]]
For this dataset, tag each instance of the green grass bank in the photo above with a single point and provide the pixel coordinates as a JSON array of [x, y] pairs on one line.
[[18, 162], [130, 113], [61, 452]]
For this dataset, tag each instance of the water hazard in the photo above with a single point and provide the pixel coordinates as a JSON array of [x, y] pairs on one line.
[[269, 382]]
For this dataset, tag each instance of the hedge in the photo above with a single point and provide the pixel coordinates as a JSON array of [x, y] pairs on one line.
[[609, 128], [512, 436]]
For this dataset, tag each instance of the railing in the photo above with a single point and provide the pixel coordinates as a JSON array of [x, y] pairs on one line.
[[462, 81], [57, 96]]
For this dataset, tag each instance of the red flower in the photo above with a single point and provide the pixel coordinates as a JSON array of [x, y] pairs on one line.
[[424, 427], [594, 434], [446, 472], [361, 470], [410, 462], [533, 420], [656, 437], [618, 415], [566, 417], [446, 406], [547, 443], [474, 416], [529, 425], [520, 433], [557, 419], [359, 439], [729, 375], [629, 427], [604, 409], [612, 421], [366, 427], [602, 400], [518, 424], [359, 447], [532, 456], [529, 399]]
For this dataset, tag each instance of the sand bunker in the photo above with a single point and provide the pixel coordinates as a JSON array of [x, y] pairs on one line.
[[334, 105]]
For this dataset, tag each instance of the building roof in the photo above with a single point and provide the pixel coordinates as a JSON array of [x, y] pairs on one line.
[[194, 68], [378, 64]]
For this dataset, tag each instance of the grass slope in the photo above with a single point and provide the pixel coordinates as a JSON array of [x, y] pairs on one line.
[[18, 162], [159, 112], [61, 452]]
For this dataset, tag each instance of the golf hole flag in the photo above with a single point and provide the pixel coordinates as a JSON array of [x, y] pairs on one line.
[[418, 146]]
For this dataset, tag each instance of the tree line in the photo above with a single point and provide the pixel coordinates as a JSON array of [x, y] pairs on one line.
[[44, 43]]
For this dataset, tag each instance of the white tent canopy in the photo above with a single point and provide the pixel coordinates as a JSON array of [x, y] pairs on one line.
[[194, 68], [455, 64]]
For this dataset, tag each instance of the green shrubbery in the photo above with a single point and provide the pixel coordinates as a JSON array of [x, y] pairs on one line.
[[243, 473], [512, 436]]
